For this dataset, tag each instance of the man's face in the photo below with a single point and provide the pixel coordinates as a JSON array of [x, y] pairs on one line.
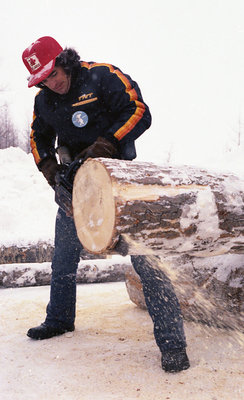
[[58, 81]]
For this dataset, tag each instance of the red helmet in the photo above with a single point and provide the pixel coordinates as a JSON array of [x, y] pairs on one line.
[[39, 59]]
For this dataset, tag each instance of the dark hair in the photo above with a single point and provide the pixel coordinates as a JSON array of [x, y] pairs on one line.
[[68, 59]]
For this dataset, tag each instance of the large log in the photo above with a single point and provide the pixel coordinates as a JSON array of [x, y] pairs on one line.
[[157, 209], [210, 289]]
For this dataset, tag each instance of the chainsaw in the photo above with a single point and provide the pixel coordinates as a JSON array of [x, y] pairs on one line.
[[64, 182]]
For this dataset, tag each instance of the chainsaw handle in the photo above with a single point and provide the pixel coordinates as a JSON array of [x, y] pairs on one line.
[[72, 169]]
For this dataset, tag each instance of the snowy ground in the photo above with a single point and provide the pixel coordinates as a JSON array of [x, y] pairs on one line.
[[111, 354]]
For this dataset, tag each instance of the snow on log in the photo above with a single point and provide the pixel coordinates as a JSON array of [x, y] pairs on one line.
[[89, 271], [162, 209]]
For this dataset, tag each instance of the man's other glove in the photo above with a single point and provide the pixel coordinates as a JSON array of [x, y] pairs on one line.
[[100, 148], [127, 150], [49, 168]]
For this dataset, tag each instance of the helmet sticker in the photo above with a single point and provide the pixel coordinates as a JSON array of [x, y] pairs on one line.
[[33, 62], [80, 119]]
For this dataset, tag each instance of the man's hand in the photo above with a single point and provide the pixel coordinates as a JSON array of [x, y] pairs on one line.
[[100, 148], [49, 168]]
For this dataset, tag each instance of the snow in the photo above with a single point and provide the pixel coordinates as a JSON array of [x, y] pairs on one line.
[[112, 353], [203, 210], [27, 207]]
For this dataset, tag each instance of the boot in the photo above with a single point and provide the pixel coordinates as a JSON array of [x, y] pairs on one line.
[[44, 331], [175, 361]]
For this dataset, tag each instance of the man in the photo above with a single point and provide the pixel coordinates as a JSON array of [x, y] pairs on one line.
[[93, 110]]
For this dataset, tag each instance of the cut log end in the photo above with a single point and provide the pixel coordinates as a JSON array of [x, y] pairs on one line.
[[94, 207]]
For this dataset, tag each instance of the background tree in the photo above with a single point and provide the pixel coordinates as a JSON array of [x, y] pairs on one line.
[[8, 132], [24, 138]]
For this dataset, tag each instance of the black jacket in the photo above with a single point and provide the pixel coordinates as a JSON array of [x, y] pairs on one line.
[[102, 101]]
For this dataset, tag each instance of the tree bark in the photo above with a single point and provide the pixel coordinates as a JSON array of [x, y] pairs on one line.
[[142, 208]]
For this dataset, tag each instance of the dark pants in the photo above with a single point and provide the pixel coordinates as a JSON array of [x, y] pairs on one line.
[[160, 297], [162, 304], [61, 307]]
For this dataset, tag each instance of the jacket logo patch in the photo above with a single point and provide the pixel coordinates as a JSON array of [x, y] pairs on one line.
[[86, 96], [80, 119], [84, 99]]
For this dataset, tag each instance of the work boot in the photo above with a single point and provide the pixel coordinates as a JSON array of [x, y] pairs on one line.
[[44, 331], [175, 361]]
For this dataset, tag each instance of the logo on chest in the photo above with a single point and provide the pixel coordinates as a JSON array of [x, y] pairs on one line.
[[85, 99], [80, 119]]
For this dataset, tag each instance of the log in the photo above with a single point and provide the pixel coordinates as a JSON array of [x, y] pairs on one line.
[[210, 290], [30, 253], [39, 274], [153, 209], [35, 253]]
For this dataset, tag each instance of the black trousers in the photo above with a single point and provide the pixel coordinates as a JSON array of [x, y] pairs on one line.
[[162, 304]]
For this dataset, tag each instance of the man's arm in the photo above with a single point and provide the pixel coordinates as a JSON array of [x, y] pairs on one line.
[[42, 138], [123, 99]]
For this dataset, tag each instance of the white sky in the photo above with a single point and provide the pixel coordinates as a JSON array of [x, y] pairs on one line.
[[186, 55]]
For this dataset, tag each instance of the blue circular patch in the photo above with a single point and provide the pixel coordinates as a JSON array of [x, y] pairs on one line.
[[80, 119]]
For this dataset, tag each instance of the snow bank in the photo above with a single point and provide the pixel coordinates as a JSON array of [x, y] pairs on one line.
[[27, 207]]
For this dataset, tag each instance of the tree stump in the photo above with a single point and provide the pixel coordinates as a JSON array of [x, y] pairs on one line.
[[158, 210]]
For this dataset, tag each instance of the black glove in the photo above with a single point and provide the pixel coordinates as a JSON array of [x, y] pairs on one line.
[[49, 168], [100, 148], [127, 150]]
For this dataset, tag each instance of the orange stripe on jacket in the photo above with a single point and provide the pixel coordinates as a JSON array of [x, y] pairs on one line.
[[34, 150], [132, 121], [89, 66], [140, 107]]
